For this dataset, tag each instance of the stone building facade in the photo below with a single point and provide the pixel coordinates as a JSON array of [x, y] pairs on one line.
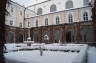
[[65, 21], [15, 22]]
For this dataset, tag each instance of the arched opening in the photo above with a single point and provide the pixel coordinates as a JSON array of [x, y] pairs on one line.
[[39, 11], [69, 4], [70, 18], [85, 16], [53, 8]]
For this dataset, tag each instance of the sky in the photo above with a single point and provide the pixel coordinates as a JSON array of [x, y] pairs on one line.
[[28, 2]]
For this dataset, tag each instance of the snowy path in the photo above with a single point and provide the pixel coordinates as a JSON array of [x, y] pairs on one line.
[[54, 53], [34, 57], [92, 55]]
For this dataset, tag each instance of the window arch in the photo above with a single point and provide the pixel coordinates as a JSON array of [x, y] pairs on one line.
[[85, 2], [57, 20], [36, 23], [39, 11], [85, 16], [69, 4], [70, 18], [53, 8], [46, 21]]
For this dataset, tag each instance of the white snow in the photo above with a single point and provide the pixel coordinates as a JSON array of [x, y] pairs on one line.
[[59, 56], [48, 57], [92, 55]]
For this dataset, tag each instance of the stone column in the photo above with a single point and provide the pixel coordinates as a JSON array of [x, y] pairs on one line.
[[77, 32], [63, 34]]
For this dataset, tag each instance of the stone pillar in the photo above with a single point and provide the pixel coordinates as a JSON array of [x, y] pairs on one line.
[[52, 34], [94, 18], [77, 32], [63, 34]]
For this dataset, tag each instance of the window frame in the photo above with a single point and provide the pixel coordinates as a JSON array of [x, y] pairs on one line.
[[39, 11], [69, 4], [85, 16], [36, 23], [57, 20], [46, 22], [53, 8], [70, 18]]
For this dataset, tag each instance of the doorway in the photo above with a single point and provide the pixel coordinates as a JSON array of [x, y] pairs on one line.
[[68, 36]]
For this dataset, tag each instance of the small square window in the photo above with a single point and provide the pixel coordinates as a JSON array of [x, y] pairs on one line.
[[11, 22]]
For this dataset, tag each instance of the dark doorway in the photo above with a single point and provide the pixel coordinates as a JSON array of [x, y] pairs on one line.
[[21, 38], [68, 36]]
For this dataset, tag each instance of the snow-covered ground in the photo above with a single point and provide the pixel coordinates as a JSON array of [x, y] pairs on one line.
[[85, 54], [34, 57]]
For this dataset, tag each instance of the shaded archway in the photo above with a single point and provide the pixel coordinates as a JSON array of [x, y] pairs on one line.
[[46, 37], [20, 38], [68, 36], [35, 36], [57, 36], [10, 37]]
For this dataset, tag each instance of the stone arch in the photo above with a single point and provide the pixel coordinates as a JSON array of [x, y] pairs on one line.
[[10, 37], [35, 36], [57, 36], [46, 37]]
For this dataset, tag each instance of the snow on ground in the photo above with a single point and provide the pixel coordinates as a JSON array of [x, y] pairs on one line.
[[34, 57], [49, 56], [92, 55], [11, 47]]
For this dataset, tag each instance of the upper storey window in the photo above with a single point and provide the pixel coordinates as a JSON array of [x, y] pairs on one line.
[[46, 21], [36, 23], [57, 20], [69, 4], [85, 16], [39, 11], [86, 2], [70, 18], [53, 8]]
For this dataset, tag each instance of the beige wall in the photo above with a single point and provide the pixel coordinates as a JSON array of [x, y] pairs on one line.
[[76, 13]]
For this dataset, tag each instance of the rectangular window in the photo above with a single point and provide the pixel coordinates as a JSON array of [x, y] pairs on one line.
[[21, 13], [21, 25], [11, 9], [11, 22], [28, 24], [46, 22], [36, 23]]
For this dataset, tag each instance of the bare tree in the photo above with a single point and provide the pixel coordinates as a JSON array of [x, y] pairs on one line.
[[94, 18], [2, 28]]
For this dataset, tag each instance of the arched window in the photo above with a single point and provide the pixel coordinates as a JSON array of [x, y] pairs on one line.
[[85, 2], [53, 8], [70, 18], [85, 16], [36, 23], [46, 21], [69, 4], [57, 20], [39, 11]]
